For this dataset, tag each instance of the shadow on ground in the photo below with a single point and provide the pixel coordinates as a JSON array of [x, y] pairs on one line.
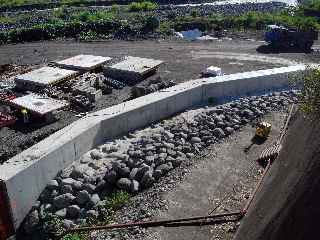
[[268, 49]]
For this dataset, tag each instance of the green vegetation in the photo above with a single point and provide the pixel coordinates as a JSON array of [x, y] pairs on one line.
[[4, 20], [251, 20], [87, 16], [112, 203], [136, 19], [12, 3], [74, 236], [142, 6], [117, 200], [310, 93], [17, 3]]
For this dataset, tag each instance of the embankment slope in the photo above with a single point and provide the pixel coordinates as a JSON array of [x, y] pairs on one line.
[[287, 205]]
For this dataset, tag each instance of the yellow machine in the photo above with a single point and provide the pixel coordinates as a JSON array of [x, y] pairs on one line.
[[263, 129]]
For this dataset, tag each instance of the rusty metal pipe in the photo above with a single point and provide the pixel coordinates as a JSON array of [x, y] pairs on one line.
[[154, 223]]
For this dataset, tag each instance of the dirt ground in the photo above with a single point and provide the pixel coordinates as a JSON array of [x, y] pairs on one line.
[[183, 61], [225, 177]]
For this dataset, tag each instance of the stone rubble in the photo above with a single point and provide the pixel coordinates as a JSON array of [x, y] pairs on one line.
[[137, 161]]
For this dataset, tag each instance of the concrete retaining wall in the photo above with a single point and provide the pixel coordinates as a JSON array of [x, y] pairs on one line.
[[26, 175]]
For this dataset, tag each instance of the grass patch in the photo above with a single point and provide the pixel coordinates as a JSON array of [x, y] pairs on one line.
[[142, 6], [87, 16], [4, 20], [117, 200]]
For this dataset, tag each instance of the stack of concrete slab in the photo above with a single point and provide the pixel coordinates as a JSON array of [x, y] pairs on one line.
[[132, 69], [83, 62], [38, 104], [43, 77]]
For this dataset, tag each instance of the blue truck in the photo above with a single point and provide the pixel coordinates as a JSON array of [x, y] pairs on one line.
[[281, 37]]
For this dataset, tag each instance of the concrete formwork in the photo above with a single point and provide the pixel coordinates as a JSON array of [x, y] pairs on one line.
[[44, 77], [82, 62], [132, 69], [26, 175], [38, 104]]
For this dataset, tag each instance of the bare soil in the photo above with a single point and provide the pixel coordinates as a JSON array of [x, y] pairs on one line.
[[184, 61]]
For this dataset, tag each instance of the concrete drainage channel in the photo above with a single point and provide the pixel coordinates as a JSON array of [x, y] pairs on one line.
[[24, 177]]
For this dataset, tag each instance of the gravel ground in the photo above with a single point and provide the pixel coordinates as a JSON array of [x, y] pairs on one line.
[[137, 161], [183, 61]]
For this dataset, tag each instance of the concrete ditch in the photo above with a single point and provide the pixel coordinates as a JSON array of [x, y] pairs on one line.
[[27, 174]]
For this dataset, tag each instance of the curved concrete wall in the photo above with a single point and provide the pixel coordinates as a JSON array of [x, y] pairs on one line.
[[26, 175]]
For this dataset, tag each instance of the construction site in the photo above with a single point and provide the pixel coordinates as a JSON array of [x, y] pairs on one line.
[[196, 136]]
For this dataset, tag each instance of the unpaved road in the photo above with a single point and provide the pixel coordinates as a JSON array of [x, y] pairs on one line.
[[226, 174], [183, 61]]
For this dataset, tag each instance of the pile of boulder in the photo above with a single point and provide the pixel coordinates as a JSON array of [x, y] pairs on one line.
[[138, 160], [155, 85]]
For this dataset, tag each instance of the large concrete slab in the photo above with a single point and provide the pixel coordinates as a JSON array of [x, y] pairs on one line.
[[26, 175], [132, 68], [38, 104], [83, 62], [44, 77]]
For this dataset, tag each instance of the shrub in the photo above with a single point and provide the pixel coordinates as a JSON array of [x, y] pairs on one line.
[[310, 92], [90, 35], [152, 23], [142, 6]]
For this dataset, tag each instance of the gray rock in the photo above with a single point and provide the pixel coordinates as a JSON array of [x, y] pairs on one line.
[[124, 183], [168, 134], [149, 160], [45, 196], [96, 154], [92, 214], [229, 130], [85, 159], [177, 161], [147, 180], [164, 168], [163, 155], [63, 201], [66, 189], [67, 181], [111, 177], [157, 174], [73, 211], [101, 186], [133, 173], [68, 224], [95, 199], [124, 171], [247, 113], [189, 155], [32, 220], [77, 185], [195, 140], [78, 171], [53, 185], [141, 171], [61, 213], [134, 187], [119, 156], [82, 197], [218, 132], [36, 206], [90, 188]]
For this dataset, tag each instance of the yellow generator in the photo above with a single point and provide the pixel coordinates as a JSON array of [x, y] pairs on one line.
[[263, 129]]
